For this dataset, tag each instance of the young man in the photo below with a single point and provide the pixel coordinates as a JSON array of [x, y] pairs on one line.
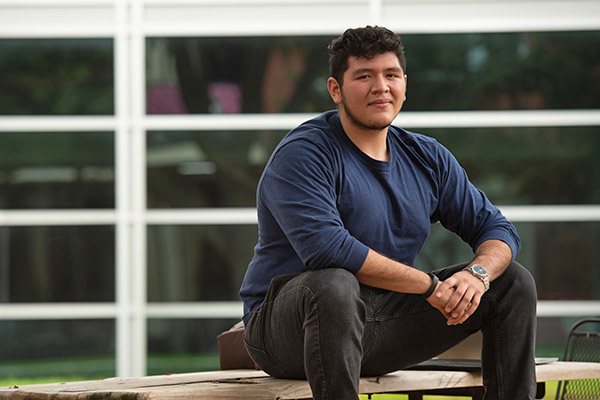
[[344, 206]]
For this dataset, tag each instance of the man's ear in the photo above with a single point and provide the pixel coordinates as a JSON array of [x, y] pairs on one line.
[[335, 90]]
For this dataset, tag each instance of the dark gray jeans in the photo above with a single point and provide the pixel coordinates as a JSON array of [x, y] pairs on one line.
[[325, 327]]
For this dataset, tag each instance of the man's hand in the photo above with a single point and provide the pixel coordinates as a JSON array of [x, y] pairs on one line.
[[458, 297]]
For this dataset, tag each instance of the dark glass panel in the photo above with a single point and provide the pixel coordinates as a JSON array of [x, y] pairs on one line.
[[57, 264], [497, 71], [472, 71], [562, 256], [198, 263], [56, 170], [56, 76], [529, 165], [179, 346], [237, 74], [59, 349], [552, 334], [184, 345], [207, 169], [537, 165]]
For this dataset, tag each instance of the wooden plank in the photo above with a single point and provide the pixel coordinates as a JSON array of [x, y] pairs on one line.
[[141, 385], [419, 380], [564, 371], [256, 385]]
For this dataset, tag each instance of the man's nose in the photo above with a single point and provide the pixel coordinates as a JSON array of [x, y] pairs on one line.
[[380, 84]]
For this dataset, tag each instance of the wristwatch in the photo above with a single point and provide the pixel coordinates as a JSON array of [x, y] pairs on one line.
[[480, 273]]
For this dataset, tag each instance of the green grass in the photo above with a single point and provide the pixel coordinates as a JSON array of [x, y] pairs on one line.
[[550, 395], [8, 382], [102, 367], [50, 369]]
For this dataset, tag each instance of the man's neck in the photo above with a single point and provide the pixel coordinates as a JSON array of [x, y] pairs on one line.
[[372, 142]]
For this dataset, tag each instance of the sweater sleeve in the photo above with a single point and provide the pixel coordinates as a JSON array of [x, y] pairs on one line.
[[299, 190], [466, 210]]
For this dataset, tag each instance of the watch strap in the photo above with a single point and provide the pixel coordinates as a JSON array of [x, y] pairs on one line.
[[434, 281], [482, 277]]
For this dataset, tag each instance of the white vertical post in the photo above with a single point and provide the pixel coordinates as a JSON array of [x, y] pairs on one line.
[[137, 74], [122, 189]]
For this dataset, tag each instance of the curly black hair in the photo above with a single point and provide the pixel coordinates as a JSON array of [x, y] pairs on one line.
[[364, 42]]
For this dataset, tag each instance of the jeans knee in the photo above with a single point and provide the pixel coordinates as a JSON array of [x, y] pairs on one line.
[[331, 280], [336, 289], [523, 282]]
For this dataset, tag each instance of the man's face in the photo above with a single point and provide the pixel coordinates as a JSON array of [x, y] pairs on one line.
[[372, 92]]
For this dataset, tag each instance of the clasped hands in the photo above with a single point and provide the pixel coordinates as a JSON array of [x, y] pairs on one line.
[[457, 297]]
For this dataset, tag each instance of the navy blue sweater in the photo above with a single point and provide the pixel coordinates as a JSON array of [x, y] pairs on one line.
[[323, 203]]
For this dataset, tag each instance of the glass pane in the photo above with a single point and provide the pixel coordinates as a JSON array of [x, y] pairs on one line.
[[61, 350], [497, 71], [179, 346], [186, 345], [552, 334], [56, 76], [529, 165], [198, 263], [57, 264], [207, 169], [237, 74], [562, 256], [57, 170], [473, 71]]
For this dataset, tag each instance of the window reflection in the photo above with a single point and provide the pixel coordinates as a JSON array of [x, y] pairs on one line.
[[57, 264], [186, 345], [56, 170], [562, 256], [472, 71], [198, 263], [237, 75], [207, 169], [552, 334], [545, 165], [56, 76], [70, 349]]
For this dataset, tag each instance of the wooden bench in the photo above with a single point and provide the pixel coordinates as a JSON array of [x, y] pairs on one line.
[[256, 385]]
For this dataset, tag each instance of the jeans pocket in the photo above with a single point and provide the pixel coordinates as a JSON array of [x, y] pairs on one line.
[[266, 362]]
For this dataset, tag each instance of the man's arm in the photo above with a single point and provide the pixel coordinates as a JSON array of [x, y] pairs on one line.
[[385, 273], [457, 297]]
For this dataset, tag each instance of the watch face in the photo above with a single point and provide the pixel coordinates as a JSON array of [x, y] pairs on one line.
[[479, 270]]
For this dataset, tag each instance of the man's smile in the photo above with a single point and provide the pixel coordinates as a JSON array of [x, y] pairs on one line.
[[380, 102]]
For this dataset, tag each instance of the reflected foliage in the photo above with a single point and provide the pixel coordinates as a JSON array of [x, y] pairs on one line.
[[498, 71], [56, 170], [57, 264], [237, 75], [207, 169], [487, 71], [56, 76], [198, 263], [529, 165]]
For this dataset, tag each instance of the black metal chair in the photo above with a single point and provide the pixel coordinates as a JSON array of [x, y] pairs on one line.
[[583, 345]]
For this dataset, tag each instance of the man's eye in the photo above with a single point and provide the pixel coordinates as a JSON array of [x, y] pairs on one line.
[[363, 77]]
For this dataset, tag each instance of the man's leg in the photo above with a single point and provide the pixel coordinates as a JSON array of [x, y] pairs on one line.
[[406, 330], [509, 331], [311, 325]]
